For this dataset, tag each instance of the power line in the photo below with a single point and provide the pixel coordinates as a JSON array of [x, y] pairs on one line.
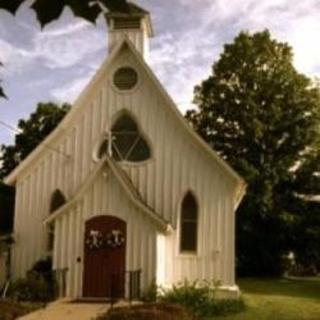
[[11, 128], [8, 126]]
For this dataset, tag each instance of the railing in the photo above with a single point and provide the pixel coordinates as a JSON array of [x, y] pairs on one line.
[[132, 286]]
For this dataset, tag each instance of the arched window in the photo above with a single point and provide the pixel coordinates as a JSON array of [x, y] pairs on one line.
[[189, 224], [57, 200], [127, 142]]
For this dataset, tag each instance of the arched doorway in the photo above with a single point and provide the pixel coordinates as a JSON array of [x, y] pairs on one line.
[[104, 257]]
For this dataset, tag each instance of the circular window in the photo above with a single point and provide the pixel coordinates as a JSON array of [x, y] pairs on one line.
[[125, 78]]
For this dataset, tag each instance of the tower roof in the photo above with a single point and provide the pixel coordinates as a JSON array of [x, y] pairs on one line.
[[130, 10]]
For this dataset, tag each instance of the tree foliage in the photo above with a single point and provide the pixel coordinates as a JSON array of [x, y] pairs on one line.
[[262, 116], [32, 132], [48, 10]]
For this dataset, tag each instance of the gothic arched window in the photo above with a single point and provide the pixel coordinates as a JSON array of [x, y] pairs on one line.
[[57, 200], [189, 224], [128, 144]]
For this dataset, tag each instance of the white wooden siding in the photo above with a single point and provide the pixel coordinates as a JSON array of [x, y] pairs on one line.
[[141, 233], [178, 164]]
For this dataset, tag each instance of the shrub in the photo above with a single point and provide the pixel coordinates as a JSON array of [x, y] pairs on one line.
[[31, 288], [151, 294], [39, 285], [200, 299], [299, 270], [155, 311]]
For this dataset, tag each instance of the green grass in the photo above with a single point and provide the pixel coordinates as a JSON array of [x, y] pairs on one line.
[[279, 299]]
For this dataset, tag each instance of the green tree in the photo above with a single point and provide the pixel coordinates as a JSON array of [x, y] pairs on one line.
[[302, 199], [262, 116], [32, 132]]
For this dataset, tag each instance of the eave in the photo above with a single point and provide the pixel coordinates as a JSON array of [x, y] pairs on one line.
[[128, 188]]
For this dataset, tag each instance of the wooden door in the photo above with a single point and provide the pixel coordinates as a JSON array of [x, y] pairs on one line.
[[104, 257]]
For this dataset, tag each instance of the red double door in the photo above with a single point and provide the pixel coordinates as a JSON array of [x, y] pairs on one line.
[[104, 257]]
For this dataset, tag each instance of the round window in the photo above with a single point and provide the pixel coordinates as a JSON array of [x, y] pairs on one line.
[[125, 78]]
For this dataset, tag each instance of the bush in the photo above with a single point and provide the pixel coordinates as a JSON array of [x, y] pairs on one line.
[[200, 299], [39, 285], [155, 311], [299, 270], [151, 294], [32, 289]]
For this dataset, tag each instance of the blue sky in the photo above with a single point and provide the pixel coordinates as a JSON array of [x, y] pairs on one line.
[[55, 64]]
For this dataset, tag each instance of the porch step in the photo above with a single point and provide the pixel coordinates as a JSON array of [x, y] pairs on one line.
[[92, 300]]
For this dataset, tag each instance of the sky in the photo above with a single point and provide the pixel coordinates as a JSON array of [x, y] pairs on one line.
[[54, 64]]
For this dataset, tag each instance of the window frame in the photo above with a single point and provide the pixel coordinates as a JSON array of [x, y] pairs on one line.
[[51, 228], [115, 118], [55, 193], [188, 253], [134, 88], [139, 136]]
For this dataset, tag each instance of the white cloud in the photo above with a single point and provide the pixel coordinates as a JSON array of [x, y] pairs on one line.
[[15, 59], [304, 38], [70, 91], [182, 51], [183, 58], [65, 30], [59, 47], [68, 45]]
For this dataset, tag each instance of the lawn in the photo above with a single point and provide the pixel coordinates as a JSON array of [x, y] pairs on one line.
[[279, 299], [265, 299]]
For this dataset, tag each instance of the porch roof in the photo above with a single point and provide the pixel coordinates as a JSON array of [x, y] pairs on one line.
[[126, 184]]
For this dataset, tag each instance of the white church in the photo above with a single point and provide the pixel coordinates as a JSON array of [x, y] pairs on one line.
[[124, 184]]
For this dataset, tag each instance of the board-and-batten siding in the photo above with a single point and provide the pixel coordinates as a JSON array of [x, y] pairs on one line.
[[215, 243], [69, 243], [178, 164]]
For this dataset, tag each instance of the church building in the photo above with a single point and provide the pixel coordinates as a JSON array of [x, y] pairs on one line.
[[125, 185]]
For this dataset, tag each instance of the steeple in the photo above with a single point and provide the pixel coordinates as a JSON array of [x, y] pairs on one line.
[[134, 24]]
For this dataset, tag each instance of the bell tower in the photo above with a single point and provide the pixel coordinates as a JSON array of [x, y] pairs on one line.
[[134, 24]]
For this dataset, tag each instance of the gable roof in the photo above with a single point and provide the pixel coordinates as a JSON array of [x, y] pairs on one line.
[[125, 183], [63, 125], [85, 95]]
